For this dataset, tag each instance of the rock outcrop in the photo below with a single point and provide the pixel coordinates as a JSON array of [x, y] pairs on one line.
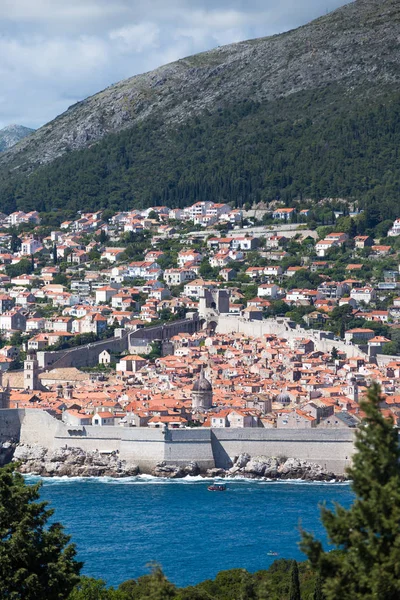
[[175, 471], [71, 462], [7, 450], [263, 467]]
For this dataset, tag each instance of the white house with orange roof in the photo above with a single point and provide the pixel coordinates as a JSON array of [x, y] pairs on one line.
[[284, 214], [365, 294]]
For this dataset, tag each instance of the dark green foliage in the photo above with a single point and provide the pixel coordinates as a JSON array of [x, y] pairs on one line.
[[294, 592], [91, 589], [312, 144], [366, 564], [318, 593], [23, 267], [36, 560], [15, 243]]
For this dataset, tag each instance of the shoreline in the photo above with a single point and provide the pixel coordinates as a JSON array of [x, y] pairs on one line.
[[76, 463], [144, 479]]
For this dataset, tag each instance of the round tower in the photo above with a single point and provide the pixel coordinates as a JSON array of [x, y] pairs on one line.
[[202, 393]]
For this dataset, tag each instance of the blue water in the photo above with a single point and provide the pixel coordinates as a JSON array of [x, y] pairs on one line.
[[119, 526]]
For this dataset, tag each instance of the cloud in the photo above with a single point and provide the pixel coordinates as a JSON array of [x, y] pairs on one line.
[[56, 52]]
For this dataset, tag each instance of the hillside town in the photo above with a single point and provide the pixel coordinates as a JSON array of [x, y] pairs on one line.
[[99, 276]]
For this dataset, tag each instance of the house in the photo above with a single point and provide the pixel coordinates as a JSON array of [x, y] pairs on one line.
[[295, 419], [381, 250], [338, 237], [269, 290], [363, 241], [75, 418], [30, 246], [12, 320], [195, 288], [395, 229], [171, 421], [112, 254], [284, 214], [331, 289], [365, 294], [6, 303], [105, 293], [103, 418], [324, 246], [77, 257], [273, 270], [189, 256], [91, 323], [359, 335], [131, 363], [227, 274]]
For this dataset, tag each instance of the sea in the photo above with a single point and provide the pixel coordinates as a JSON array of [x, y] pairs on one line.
[[121, 526]]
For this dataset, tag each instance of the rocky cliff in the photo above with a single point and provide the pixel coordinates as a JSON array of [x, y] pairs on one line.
[[75, 462], [355, 47], [12, 134]]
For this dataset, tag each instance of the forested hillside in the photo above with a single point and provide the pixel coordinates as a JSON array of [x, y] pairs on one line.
[[311, 113]]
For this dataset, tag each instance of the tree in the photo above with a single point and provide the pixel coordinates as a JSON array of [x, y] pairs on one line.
[[55, 257], [90, 589], [294, 591], [159, 586], [15, 243], [334, 353], [318, 593], [36, 560], [366, 562]]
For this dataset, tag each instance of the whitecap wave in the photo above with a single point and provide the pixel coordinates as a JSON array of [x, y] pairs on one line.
[[144, 479]]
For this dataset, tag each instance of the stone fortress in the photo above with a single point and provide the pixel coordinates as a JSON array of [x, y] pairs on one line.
[[210, 448], [147, 447]]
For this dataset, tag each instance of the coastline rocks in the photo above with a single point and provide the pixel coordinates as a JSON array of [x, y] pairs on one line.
[[264, 467], [6, 452], [175, 471], [71, 462]]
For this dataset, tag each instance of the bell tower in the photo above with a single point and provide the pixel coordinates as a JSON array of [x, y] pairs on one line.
[[31, 372]]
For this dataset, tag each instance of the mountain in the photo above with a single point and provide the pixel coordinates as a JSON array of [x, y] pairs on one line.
[[313, 112], [12, 134]]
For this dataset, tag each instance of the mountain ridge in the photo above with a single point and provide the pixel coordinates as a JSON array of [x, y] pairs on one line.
[[328, 67], [135, 99], [12, 134]]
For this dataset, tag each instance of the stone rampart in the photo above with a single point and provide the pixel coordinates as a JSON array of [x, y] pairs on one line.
[[88, 355], [332, 449], [281, 328]]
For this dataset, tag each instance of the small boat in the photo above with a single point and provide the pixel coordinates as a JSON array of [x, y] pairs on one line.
[[217, 487], [271, 553]]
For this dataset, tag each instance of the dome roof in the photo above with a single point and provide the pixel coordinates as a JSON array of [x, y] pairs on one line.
[[202, 384], [283, 397]]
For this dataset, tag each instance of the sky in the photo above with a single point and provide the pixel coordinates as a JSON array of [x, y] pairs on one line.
[[56, 52]]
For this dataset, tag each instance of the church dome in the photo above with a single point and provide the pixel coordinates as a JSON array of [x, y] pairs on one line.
[[283, 398], [202, 384]]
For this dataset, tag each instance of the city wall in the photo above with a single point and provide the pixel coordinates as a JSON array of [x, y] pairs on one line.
[[88, 355], [281, 328], [210, 448]]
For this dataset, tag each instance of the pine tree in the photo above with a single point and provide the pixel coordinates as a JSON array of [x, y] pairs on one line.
[[366, 562], [318, 593], [294, 592], [159, 586], [36, 560]]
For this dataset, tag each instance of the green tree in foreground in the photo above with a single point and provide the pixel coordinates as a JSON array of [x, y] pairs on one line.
[[36, 560], [294, 592], [366, 562]]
